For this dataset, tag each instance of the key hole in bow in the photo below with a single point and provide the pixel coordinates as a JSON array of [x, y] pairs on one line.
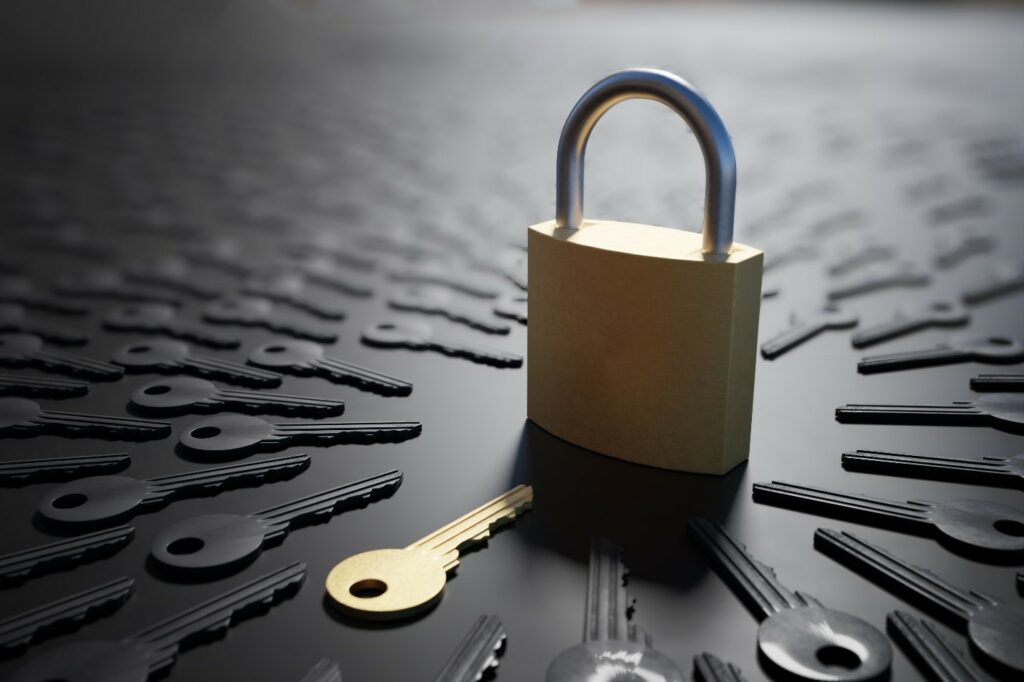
[[185, 546], [1009, 527], [134, 350], [70, 501], [156, 390], [368, 589], [276, 349], [204, 432], [836, 656]]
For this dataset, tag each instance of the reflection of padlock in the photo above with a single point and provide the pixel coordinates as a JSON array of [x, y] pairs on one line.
[[642, 339]]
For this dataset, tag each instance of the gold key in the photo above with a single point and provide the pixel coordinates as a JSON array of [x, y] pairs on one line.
[[395, 583]]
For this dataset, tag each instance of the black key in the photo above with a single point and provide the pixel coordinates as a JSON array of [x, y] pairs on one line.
[[709, 668], [436, 301], [157, 318], [255, 312], [290, 289], [325, 670], [987, 528], [236, 433], [192, 395], [1005, 472], [442, 275], [21, 630], [1004, 411], [173, 273], [16, 567], [995, 350], [998, 382], [897, 275], [323, 272], [418, 336], [801, 330], [107, 498], [795, 627], [995, 628], [932, 653], [214, 542], [13, 321], [936, 314], [154, 650], [305, 358], [20, 290], [22, 386], [512, 308], [25, 350], [1001, 281], [478, 654], [174, 357], [22, 471], [108, 283], [21, 417]]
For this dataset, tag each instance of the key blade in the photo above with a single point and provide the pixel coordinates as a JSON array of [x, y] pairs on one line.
[[215, 479], [16, 567], [477, 654], [231, 372], [709, 668], [363, 378], [956, 414], [998, 382], [478, 354], [608, 606], [61, 468], [347, 433], [894, 362], [325, 670], [280, 404], [790, 339], [76, 366], [18, 386], [995, 471], [75, 423], [932, 653], [807, 498], [896, 328]]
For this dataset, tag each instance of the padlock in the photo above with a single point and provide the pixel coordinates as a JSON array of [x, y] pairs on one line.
[[642, 340]]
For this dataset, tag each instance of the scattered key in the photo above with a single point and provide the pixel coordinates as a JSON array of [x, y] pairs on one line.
[[24, 350], [173, 273], [995, 628], [478, 653], [1004, 411], [996, 530], [829, 317], [156, 318], [795, 628], [708, 668], [21, 386], [995, 350], [16, 567], [867, 253], [223, 541], [21, 630], [21, 417], [418, 336], [255, 312], [334, 248], [154, 650], [613, 646], [1003, 280], [20, 290], [325, 670], [323, 272], [191, 395], [512, 307], [952, 250], [22, 471], [174, 357], [930, 651], [13, 321], [397, 583], [936, 314], [108, 498], [998, 382], [289, 288], [108, 283], [1006, 472], [305, 358], [440, 274], [436, 301], [898, 275]]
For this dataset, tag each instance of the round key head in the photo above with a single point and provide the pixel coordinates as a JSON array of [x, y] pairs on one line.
[[815, 643], [209, 542], [226, 433], [1004, 407], [980, 524], [994, 348], [286, 354], [396, 334], [148, 313], [150, 353], [19, 346], [17, 412], [88, 661], [385, 584], [97, 498], [998, 632], [613, 661], [172, 393], [946, 313]]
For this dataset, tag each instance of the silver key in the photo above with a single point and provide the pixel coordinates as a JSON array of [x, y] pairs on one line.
[[289, 288], [161, 319], [20, 290], [108, 283], [22, 471], [997, 350], [932, 653], [20, 417], [16, 567], [323, 272], [1001, 281], [478, 654], [828, 318], [174, 357], [709, 668], [192, 395], [173, 273], [436, 301], [255, 312], [305, 358], [897, 275], [24, 350], [994, 471], [419, 336], [935, 314], [23, 386], [14, 321]]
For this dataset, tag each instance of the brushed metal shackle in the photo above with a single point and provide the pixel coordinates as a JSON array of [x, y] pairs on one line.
[[692, 107]]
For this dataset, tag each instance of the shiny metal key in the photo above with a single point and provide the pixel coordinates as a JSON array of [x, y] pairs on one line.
[[986, 529], [419, 336], [1001, 281], [160, 319], [290, 288], [236, 433], [257, 312], [385, 584], [172, 273], [22, 471], [896, 275], [996, 350], [26, 350], [998, 382], [154, 650], [709, 668], [325, 670], [1004, 411], [440, 302], [21, 417], [444, 275], [24, 386], [21, 290], [17, 567], [323, 272], [512, 307], [933, 654], [613, 646], [828, 318], [214, 542], [797, 636], [952, 250], [995, 628], [192, 395], [108, 498], [14, 321], [478, 654], [305, 358], [108, 283], [174, 357], [935, 314], [1004, 472], [21, 630]]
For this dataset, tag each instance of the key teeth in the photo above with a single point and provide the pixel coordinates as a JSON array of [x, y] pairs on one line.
[[109, 542], [928, 648], [709, 668]]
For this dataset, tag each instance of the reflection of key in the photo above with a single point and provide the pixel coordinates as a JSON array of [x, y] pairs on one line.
[[998, 382], [709, 668], [21, 417], [170, 272], [323, 272], [20, 290], [21, 471], [305, 358], [255, 312], [478, 653], [937, 314], [797, 634], [396, 583], [829, 317], [980, 525], [512, 307], [419, 336], [19, 386], [325, 670], [108, 283], [996, 350], [154, 650], [1007, 472], [219, 541], [441, 275], [106, 498], [923, 644], [1004, 411], [12, 321], [157, 318], [289, 288], [25, 350], [435, 301], [1001, 281], [33, 626], [173, 357], [613, 647], [236, 433], [192, 395], [17, 567], [995, 629], [899, 275]]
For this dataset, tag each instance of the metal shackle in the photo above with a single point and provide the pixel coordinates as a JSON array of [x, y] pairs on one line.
[[681, 97]]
